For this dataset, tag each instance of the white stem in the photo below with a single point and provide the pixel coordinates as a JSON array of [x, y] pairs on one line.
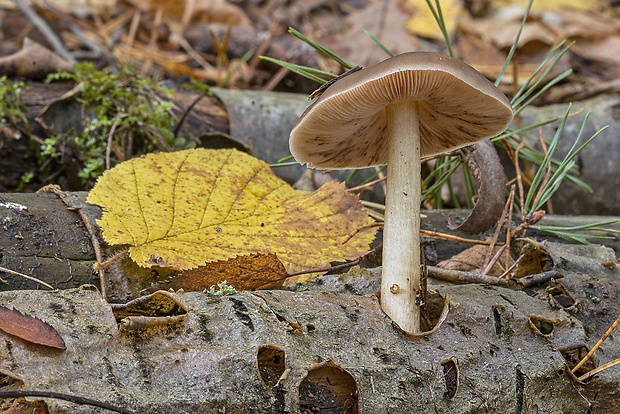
[[400, 281]]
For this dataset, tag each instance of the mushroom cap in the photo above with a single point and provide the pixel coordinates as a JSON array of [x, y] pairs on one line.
[[346, 126]]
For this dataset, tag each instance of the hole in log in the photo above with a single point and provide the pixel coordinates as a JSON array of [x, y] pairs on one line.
[[541, 325], [519, 388], [501, 322], [573, 354], [271, 362], [558, 295], [432, 310], [328, 389], [450, 376], [242, 313]]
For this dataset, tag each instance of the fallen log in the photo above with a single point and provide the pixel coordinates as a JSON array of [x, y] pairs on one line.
[[276, 351]]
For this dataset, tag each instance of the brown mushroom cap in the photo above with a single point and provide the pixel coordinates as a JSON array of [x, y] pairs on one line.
[[345, 127]]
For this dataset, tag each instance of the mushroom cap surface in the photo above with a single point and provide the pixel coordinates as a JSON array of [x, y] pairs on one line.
[[346, 126]]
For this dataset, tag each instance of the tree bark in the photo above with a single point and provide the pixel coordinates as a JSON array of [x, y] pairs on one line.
[[280, 351]]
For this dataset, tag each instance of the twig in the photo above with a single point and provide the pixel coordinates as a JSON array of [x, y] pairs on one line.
[[370, 204], [261, 49], [538, 278], [328, 269], [95, 49], [221, 59], [160, 138], [512, 266], [599, 369], [89, 228], [97, 250], [519, 177], [487, 259], [186, 113], [109, 147], [67, 397], [597, 345], [460, 277], [152, 45], [275, 79], [325, 269], [487, 268], [34, 279], [190, 51], [375, 215], [109, 261], [509, 232], [444, 236], [381, 176], [133, 27], [425, 233], [45, 30], [370, 226], [190, 8], [367, 185], [547, 174]]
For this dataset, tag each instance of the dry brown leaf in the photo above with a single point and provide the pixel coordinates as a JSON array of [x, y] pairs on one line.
[[605, 51], [501, 31], [29, 328], [570, 24], [355, 47], [471, 260], [243, 273], [33, 61], [483, 162]]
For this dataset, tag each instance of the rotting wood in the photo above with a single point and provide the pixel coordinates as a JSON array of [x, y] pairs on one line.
[[208, 361]]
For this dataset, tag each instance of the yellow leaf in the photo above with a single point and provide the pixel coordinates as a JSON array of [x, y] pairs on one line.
[[558, 5], [188, 208], [423, 22]]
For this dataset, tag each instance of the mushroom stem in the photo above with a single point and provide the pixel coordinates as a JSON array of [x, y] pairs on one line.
[[400, 280]]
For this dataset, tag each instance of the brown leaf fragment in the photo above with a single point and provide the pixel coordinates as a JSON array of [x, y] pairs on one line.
[[484, 164], [471, 259], [156, 305], [33, 61], [247, 272], [29, 328]]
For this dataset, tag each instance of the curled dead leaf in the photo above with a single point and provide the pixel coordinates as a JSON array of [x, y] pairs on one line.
[[485, 165]]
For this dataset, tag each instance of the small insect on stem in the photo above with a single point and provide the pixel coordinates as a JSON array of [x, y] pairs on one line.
[[330, 82]]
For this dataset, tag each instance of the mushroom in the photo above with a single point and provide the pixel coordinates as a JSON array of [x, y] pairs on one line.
[[406, 107]]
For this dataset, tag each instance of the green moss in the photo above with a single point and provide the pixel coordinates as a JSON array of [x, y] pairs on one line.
[[127, 115], [11, 106], [223, 289]]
